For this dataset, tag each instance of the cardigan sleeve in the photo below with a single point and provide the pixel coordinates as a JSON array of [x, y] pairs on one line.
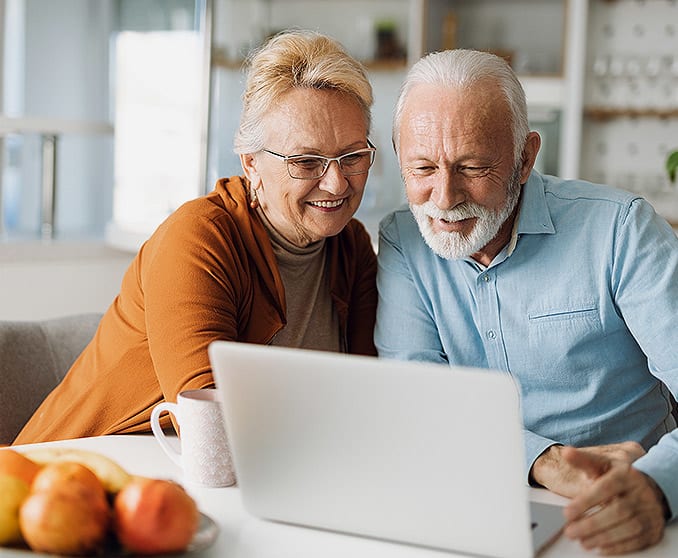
[[192, 280]]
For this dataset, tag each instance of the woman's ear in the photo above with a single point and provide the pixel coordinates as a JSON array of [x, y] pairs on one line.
[[532, 145], [249, 167]]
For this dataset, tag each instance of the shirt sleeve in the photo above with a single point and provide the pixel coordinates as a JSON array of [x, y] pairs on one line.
[[535, 445], [645, 286], [405, 328]]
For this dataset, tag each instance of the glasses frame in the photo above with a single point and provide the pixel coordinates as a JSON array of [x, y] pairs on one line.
[[371, 149]]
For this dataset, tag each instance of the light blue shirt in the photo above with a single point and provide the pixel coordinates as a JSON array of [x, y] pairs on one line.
[[583, 313]]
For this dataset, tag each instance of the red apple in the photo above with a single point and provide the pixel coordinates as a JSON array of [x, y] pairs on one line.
[[154, 516]]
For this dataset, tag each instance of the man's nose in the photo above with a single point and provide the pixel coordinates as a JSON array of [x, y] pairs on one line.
[[447, 192], [333, 181]]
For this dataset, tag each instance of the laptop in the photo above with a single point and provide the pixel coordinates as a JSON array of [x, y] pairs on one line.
[[410, 452]]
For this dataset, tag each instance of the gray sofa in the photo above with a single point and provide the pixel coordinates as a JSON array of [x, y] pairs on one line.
[[34, 358]]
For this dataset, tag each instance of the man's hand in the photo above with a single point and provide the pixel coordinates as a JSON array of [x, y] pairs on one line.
[[621, 510], [552, 471]]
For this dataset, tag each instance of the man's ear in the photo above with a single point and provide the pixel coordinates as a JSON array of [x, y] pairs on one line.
[[249, 167], [532, 145]]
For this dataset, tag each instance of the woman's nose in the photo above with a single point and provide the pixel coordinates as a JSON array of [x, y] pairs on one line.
[[333, 181]]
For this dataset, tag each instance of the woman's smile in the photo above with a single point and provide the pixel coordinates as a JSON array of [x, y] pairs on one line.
[[327, 204]]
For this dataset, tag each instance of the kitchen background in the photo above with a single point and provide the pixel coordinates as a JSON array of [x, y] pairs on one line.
[[114, 112]]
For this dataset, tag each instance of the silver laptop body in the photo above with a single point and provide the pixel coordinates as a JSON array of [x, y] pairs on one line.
[[411, 452]]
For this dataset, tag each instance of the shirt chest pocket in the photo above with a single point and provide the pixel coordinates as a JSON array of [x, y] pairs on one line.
[[583, 312], [570, 330]]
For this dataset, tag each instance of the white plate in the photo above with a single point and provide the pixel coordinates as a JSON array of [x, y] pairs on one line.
[[207, 533]]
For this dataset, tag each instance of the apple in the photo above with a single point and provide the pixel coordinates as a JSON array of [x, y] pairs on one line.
[[66, 511], [154, 516], [61, 521], [62, 474]]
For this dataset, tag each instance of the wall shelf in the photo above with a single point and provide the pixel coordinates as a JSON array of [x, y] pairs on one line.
[[221, 59], [607, 113], [630, 101]]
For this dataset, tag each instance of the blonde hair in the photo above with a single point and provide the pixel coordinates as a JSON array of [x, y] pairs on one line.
[[296, 59]]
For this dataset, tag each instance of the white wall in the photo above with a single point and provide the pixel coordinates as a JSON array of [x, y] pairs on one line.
[[40, 281]]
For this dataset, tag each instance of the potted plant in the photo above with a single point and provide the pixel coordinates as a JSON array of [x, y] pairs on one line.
[[672, 165]]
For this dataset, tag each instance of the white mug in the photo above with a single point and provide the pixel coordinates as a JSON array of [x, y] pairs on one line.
[[205, 456]]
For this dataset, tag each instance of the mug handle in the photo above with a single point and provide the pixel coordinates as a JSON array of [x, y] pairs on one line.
[[158, 431]]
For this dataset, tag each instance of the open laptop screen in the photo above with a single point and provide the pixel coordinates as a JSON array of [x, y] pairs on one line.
[[412, 452]]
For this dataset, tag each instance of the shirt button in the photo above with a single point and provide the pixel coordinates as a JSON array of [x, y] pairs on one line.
[[486, 278], [491, 334]]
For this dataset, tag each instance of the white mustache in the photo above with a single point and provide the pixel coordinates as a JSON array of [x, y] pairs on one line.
[[459, 213]]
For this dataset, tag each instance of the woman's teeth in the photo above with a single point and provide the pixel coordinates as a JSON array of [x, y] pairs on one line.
[[327, 204]]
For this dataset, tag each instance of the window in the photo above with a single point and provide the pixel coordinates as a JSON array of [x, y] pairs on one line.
[[72, 72]]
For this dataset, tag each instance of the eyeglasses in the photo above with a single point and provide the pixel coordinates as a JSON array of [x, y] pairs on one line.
[[309, 167]]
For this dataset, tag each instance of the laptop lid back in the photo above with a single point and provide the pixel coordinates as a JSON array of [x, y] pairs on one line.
[[412, 452]]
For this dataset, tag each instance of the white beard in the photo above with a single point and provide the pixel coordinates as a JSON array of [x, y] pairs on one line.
[[456, 245]]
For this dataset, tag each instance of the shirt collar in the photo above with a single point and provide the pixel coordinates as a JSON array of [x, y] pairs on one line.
[[534, 216], [514, 235]]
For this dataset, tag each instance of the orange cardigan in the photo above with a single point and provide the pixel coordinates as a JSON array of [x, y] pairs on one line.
[[208, 272]]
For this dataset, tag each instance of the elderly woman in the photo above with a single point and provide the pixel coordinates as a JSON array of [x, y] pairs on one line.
[[271, 257]]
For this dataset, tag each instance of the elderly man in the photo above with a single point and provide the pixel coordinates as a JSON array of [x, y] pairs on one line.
[[570, 287]]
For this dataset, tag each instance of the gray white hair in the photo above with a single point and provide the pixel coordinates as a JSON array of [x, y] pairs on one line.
[[296, 59], [461, 69]]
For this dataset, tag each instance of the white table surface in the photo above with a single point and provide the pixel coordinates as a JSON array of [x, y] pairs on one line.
[[244, 536]]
